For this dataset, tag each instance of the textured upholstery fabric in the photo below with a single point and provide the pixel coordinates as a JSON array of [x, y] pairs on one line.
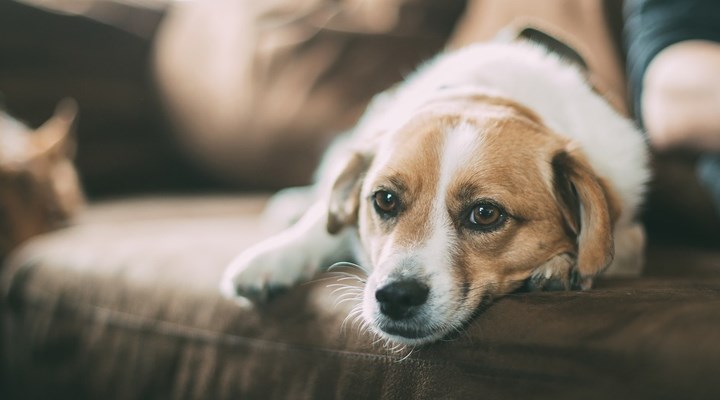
[[125, 305]]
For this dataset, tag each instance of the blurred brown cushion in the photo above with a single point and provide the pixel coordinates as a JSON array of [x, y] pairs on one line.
[[125, 305]]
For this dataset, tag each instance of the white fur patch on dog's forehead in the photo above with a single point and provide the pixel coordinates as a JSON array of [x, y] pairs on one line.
[[461, 143], [457, 144]]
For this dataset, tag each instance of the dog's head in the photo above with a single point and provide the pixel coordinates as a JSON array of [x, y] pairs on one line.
[[469, 200]]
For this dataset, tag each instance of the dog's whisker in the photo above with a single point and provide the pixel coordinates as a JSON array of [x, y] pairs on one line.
[[347, 318], [357, 309], [338, 277], [342, 274], [350, 293], [378, 340], [340, 294], [365, 327], [396, 348], [337, 285], [407, 355], [345, 300], [336, 273], [318, 279], [361, 324], [357, 319], [348, 264], [345, 285], [349, 289], [400, 349], [335, 292], [386, 344], [353, 277]]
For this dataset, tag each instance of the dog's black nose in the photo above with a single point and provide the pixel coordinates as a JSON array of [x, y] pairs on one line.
[[397, 298]]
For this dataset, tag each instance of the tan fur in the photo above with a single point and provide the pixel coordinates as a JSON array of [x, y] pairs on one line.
[[343, 205], [511, 168], [595, 239]]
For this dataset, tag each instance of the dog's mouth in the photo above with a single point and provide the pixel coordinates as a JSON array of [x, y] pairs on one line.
[[407, 332], [422, 328]]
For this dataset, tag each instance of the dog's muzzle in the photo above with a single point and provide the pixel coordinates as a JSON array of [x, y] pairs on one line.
[[400, 299], [401, 304]]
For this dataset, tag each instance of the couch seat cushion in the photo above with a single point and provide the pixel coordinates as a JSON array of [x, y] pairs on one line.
[[124, 304]]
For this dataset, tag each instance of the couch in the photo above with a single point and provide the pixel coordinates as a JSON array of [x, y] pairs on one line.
[[123, 303]]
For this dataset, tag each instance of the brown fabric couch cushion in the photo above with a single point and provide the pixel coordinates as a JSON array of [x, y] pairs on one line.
[[125, 305]]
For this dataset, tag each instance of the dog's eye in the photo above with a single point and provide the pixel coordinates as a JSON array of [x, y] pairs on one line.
[[386, 203], [485, 216]]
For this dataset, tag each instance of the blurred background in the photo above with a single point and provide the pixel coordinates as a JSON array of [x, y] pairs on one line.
[[184, 110], [97, 52], [226, 95], [173, 95]]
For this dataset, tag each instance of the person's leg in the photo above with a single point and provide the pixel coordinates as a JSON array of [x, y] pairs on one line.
[[259, 88], [680, 103], [582, 25], [673, 58]]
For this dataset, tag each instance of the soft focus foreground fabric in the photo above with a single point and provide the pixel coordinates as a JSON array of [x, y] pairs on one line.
[[259, 88], [125, 305]]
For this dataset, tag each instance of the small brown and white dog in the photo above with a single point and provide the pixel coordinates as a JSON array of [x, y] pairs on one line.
[[491, 168]]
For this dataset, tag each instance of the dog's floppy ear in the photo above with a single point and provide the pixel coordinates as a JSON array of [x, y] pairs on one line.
[[344, 196], [589, 210]]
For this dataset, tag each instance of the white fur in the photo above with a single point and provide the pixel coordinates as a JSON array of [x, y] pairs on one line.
[[459, 146], [294, 255]]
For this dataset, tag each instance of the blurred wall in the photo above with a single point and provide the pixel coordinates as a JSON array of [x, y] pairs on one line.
[[124, 144]]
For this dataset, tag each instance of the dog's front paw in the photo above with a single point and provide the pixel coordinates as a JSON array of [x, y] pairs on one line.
[[558, 274], [264, 271]]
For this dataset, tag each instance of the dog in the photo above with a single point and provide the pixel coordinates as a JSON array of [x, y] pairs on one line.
[[491, 168]]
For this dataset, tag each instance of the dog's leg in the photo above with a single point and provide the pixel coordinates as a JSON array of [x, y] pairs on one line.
[[286, 207], [302, 250], [629, 251], [292, 256], [558, 273]]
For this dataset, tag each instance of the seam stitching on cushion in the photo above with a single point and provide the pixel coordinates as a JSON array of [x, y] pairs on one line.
[[131, 321]]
